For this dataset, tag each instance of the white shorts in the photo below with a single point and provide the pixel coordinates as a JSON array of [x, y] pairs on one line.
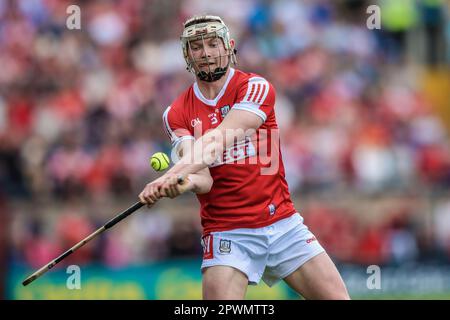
[[271, 253]]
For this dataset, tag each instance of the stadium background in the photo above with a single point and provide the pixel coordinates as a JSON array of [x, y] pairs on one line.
[[364, 117]]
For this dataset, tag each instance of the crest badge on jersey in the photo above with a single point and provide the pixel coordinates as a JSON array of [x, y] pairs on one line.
[[225, 246], [272, 208], [224, 110]]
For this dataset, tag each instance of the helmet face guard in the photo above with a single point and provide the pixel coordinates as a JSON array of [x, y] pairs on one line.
[[203, 28]]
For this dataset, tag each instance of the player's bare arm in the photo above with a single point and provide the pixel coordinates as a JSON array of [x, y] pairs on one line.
[[206, 149]]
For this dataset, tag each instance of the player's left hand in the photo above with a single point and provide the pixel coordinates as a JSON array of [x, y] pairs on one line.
[[171, 187]]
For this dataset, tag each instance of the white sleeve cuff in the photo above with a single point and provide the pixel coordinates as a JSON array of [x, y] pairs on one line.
[[177, 141], [252, 108], [174, 154]]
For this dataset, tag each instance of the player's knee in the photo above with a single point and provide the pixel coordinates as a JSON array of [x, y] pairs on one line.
[[215, 290], [345, 296], [341, 294], [333, 286], [212, 292], [338, 290], [223, 283], [330, 291], [211, 285]]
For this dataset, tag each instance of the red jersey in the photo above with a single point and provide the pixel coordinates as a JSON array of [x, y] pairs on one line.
[[248, 192]]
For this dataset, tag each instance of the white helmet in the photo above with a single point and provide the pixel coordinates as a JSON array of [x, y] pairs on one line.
[[200, 28]]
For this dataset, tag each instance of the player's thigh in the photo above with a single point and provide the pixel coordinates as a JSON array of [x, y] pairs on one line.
[[224, 283], [318, 278]]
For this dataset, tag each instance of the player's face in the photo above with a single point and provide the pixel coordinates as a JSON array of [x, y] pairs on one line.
[[208, 54]]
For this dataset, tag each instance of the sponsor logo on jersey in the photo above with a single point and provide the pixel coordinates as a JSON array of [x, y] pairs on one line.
[[241, 150], [207, 244], [225, 246]]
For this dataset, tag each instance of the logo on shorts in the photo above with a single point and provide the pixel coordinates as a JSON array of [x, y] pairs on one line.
[[207, 244], [311, 240], [225, 246]]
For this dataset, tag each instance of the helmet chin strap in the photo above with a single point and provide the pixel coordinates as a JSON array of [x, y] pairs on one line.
[[212, 76]]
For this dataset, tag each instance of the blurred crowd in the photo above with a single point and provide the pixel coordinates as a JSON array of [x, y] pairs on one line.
[[80, 114]]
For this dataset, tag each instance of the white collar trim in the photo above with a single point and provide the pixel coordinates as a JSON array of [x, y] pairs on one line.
[[213, 102]]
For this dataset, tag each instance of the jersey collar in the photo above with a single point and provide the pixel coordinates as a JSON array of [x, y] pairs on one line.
[[213, 102]]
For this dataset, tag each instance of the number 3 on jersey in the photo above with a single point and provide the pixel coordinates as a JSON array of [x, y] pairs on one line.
[[213, 118]]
